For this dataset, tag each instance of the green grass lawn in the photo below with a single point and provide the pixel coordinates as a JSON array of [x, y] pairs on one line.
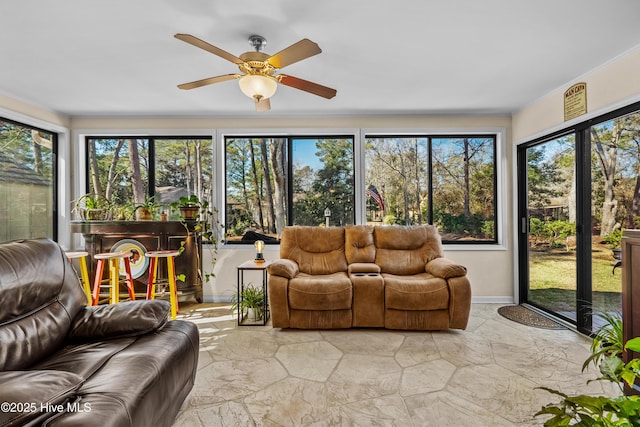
[[553, 280]]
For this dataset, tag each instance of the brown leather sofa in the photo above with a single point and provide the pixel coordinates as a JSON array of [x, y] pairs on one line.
[[65, 364], [363, 276]]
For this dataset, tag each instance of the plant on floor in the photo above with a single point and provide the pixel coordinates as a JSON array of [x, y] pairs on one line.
[[607, 350], [251, 298]]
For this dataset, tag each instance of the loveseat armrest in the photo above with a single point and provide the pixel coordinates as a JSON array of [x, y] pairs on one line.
[[284, 268], [126, 319], [445, 268]]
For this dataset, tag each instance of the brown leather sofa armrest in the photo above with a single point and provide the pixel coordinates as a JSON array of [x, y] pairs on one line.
[[284, 268], [126, 319], [363, 267], [445, 268]]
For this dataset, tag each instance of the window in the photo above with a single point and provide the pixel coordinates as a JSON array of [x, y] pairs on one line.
[[126, 171], [27, 182], [286, 180], [449, 181]]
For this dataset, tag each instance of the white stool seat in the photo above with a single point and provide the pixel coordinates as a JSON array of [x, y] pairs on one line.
[[76, 254], [112, 255], [161, 254]]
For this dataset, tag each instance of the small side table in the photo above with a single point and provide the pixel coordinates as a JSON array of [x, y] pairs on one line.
[[248, 266]]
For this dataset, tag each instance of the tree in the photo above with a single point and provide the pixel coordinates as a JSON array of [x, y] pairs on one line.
[[278, 165]]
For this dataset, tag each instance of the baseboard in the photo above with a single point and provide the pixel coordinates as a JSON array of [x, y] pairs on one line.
[[482, 299]]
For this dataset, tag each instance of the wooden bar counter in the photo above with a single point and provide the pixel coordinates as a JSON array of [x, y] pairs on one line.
[[142, 236]]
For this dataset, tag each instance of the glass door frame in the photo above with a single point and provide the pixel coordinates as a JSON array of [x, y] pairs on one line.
[[583, 321]]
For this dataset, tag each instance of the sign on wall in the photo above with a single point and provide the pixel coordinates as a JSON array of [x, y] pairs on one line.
[[575, 101]]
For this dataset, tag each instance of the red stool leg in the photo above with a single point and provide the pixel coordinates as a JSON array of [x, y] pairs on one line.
[[129, 278], [97, 281]]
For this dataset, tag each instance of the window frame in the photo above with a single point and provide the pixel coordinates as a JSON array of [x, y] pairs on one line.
[[289, 137], [430, 136], [500, 158], [151, 182], [10, 117]]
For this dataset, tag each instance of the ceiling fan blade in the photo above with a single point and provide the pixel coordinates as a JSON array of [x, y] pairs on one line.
[[192, 40], [263, 104], [209, 81], [307, 86], [303, 49]]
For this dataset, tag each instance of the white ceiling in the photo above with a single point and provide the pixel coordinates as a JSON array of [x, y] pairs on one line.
[[119, 57]]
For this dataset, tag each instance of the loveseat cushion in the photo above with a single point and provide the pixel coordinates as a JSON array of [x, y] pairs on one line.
[[320, 292], [316, 250], [416, 292], [359, 245], [39, 296], [31, 393], [129, 318], [405, 250]]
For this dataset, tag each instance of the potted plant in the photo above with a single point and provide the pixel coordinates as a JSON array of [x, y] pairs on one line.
[[607, 349], [91, 207], [190, 207], [145, 210], [250, 303]]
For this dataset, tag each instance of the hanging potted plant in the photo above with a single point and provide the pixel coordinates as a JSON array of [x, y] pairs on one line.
[[189, 207]]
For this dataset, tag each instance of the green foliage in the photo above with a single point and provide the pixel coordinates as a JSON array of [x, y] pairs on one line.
[[614, 239], [488, 229], [553, 232], [582, 410], [251, 296], [462, 224]]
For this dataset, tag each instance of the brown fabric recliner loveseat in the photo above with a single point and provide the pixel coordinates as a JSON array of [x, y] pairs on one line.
[[364, 276], [65, 364]]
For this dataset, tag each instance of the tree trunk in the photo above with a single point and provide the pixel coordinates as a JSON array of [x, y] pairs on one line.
[[256, 182], [635, 205], [572, 196], [271, 218], [608, 160], [198, 167], [93, 168], [111, 176], [417, 177], [187, 169], [467, 191], [38, 142], [136, 176], [279, 178]]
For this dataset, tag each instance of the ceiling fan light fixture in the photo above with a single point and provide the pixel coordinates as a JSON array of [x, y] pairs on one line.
[[256, 86]]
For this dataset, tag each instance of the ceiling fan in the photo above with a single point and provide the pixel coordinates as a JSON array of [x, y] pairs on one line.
[[259, 80]]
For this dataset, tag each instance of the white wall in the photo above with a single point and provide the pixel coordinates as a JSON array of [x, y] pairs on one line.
[[489, 284], [613, 85]]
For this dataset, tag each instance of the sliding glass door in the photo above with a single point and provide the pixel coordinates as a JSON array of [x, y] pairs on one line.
[[551, 212], [577, 191]]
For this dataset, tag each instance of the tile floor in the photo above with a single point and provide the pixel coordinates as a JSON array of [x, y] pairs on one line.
[[484, 376]]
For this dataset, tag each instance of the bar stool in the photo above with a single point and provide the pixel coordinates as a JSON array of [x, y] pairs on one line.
[[81, 256], [113, 282], [171, 277]]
